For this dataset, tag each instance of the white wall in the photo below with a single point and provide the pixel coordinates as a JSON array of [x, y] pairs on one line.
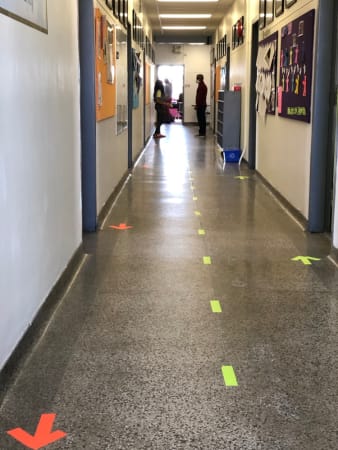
[[284, 145], [111, 149], [196, 59], [40, 196], [111, 159]]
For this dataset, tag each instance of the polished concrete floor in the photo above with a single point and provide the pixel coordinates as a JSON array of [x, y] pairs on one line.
[[194, 328]]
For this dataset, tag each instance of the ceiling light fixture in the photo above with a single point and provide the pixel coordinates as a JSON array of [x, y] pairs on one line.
[[185, 16], [186, 1], [179, 27]]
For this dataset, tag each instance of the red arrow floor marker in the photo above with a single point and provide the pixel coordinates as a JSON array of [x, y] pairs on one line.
[[122, 226], [43, 434]]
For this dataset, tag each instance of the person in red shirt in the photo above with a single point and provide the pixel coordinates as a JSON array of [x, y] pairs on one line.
[[201, 104]]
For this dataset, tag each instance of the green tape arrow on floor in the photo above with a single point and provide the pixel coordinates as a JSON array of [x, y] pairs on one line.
[[229, 376], [215, 306]]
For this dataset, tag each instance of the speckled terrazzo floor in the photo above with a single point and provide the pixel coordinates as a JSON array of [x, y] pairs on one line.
[[133, 356]]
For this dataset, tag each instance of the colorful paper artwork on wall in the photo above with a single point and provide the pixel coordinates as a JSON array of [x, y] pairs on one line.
[[137, 79], [266, 75], [295, 68], [238, 33]]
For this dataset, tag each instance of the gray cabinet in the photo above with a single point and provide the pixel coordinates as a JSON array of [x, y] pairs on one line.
[[228, 128]]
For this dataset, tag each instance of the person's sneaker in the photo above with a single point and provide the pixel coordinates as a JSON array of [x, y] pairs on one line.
[[158, 136]]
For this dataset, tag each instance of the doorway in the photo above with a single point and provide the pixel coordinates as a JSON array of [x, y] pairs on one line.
[[332, 129], [252, 107], [175, 74], [323, 122]]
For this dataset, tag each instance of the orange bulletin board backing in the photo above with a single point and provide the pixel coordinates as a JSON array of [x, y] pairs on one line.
[[105, 67], [147, 86], [217, 81]]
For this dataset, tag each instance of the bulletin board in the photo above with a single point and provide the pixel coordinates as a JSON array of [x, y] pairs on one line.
[[295, 68], [137, 79], [147, 84], [217, 81], [266, 75], [105, 67]]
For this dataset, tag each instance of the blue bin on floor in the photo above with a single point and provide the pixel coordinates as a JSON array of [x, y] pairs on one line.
[[232, 155]]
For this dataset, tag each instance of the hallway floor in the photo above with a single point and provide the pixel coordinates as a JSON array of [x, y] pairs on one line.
[[194, 328]]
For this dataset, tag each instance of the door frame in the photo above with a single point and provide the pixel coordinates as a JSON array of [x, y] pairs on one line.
[[252, 99], [88, 115], [321, 162]]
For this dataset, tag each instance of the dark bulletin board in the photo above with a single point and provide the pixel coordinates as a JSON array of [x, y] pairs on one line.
[[295, 68]]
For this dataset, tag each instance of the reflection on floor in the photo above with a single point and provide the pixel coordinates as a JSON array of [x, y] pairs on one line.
[[192, 325]]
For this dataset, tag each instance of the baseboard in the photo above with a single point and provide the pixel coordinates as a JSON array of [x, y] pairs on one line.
[[16, 361], [295, 213], [105, 210], [334, 255]]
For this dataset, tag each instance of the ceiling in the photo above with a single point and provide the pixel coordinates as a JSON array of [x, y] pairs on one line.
[[152, 8]]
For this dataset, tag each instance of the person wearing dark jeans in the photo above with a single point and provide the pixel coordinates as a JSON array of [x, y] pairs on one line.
[[201, 104], [161, 106]]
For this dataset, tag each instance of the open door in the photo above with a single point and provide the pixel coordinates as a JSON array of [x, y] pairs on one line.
[[252, 112], [323, 121]]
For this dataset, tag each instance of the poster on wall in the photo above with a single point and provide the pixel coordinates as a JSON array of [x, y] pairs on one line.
[[266, 75], [279, 7], [262, 9], [137, 79], [105, 63], [237, 33], [269, 12], [29, 12], [295, 68]]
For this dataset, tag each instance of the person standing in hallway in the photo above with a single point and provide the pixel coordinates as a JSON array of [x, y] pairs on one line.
[[161, 106], [168, 89], [201, 104]]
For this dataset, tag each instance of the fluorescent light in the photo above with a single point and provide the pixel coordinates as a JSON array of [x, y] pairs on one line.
[[186, 1], [185, 16], [178, 27]]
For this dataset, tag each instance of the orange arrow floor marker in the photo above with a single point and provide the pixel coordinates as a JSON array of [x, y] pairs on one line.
[[122, 226], [43, 434]]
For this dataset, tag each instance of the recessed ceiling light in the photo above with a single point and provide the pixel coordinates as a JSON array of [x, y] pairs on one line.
[[185, 16], [179, 27], [185, 1]]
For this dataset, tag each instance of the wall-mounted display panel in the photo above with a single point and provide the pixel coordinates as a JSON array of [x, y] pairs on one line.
[[121, 81], [266, 75], [261, 14], [289, 3], [279, 7], [29, 12], [269, 12], [295, 68], [237, 33], [105, 67]]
